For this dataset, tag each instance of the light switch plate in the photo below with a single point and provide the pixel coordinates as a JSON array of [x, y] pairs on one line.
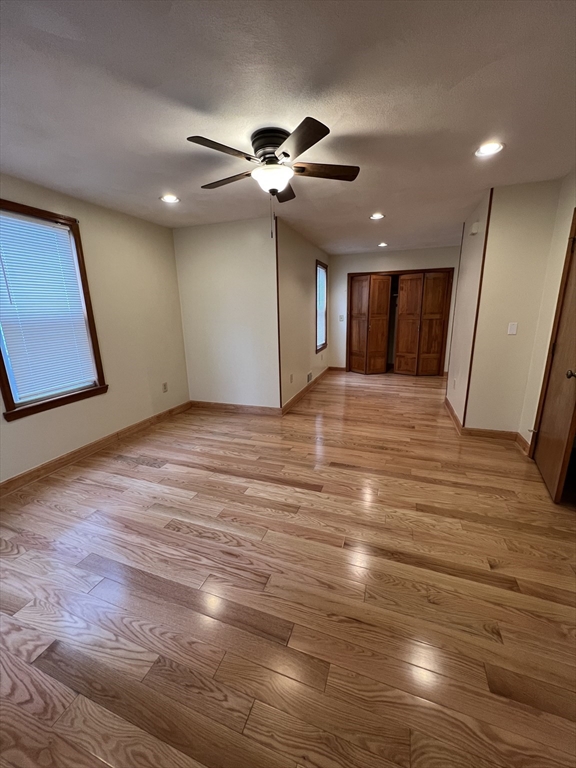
[[341, 318], [512, 329]]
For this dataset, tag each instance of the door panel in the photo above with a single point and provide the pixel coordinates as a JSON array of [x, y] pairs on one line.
[[434, 323], [378, 318], [357, 340], [408, 323], [557, 426]]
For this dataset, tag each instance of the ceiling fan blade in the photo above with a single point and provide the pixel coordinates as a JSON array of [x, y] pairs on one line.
[[286, 194], [325, 171], [204, 142], [308, 133], [228, 180]]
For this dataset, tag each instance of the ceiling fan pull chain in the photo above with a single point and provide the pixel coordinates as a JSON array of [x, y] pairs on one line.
[[272, 216]]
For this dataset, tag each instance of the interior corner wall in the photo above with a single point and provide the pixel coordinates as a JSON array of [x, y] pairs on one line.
[[132, 279], [297, 303], [518, 244], [467, 287], [228, 289], [550, 289], [343, 264]]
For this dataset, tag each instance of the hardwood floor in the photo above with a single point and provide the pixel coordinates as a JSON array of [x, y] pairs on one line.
[[351, 586]]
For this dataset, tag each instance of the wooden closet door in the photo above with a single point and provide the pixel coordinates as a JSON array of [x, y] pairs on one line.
[[378, 320], [358, 333], [408, 323], [434, 323]]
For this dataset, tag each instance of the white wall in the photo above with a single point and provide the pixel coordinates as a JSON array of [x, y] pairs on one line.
[[227, 281], [341, 265], [551, 286], [132, 280], [519, 238], [466, 303], [297, 295]]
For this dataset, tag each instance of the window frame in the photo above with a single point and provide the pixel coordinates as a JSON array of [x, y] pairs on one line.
[[325, 345], [15, 410]]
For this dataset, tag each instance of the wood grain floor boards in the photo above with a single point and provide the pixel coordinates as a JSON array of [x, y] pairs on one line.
[[273, 655], [115, 741], [551, 594], [10, 548], [26, 742], [376, 735], [20, 640], [38, 564], [193, 734], [201, 692], [520, 716], [11, 602], [541, 696], [371, 626], [318, 610], [156, 638], [426, 752], [31, 690], [254, 621], [312, 747], [472, 736], [353, 585], [94, 639]]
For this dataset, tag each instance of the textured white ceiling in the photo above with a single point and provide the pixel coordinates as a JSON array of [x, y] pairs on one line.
[[98, 97]]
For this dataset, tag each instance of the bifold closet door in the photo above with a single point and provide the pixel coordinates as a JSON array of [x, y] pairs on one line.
[[408, 323], [358, 333], [434, 322], [378, 321]]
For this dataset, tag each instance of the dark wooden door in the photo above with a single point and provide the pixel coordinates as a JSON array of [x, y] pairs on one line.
[[378, 320], [408, 323], [557, 423], [434, 323], [358, 334]]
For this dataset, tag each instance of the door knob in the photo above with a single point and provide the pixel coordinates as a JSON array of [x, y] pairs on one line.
[[570, 374]]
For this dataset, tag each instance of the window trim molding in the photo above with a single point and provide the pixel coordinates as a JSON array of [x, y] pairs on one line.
[[322, 347], [13, 410]]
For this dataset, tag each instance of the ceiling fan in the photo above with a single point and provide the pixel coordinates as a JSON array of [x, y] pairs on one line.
[[274, 153]]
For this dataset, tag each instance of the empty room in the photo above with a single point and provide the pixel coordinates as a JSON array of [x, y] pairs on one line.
[[288, 381]]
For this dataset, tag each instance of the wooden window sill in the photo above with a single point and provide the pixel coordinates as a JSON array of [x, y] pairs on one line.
[[54, 402]]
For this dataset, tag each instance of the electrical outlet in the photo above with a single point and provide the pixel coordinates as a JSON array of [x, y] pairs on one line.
[[165, 386], [291, 378], [309, 377], [512, 329], [341, 318]]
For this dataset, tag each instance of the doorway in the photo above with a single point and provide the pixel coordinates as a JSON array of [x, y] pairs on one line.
[[555, 429], [398, 321]]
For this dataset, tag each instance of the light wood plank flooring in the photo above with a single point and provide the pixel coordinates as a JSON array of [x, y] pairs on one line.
[[351, 586]]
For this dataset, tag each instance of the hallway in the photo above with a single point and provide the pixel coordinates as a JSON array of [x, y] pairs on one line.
[[353, 585]]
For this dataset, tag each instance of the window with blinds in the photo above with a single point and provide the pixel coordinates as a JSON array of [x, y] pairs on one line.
[[321, 306], [48, 347]]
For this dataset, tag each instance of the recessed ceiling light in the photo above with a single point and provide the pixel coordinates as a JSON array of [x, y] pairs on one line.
[[377, 216], [491, 148], [382, 245], [170, 199]]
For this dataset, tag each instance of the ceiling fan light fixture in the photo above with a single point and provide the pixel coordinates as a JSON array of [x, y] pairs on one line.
[[170, 199], [272, 176]]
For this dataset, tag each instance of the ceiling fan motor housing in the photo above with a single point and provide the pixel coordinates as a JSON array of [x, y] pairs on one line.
[[265, 142]]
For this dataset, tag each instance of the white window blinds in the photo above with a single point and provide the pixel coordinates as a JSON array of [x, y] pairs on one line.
[[45, 338], [321, 275]]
